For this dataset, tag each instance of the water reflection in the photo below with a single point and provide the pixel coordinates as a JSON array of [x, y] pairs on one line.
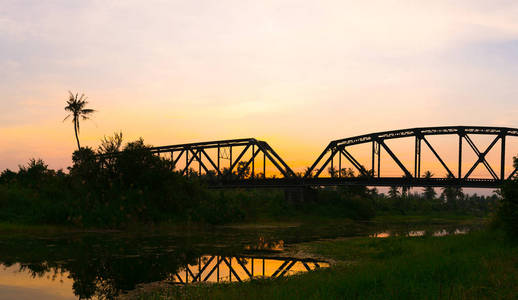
[[20, 281], [264, 245], [102, 266], [15, 279], [229, 269], [416, 233]]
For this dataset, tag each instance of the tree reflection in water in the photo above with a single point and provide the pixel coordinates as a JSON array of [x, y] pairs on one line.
[[103, 266]]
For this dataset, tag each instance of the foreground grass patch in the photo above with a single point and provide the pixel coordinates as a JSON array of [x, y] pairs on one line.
[[481, 265]]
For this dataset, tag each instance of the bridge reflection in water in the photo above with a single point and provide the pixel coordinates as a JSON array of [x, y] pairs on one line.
[[214, 268]]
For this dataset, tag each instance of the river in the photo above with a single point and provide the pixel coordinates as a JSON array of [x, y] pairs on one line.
[[102, 265]]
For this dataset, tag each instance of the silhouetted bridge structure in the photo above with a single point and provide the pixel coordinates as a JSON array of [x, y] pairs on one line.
[[216, 268], [243, 162]]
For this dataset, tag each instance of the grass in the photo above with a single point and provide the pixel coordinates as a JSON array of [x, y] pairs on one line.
[[479, 265], [16, 228]]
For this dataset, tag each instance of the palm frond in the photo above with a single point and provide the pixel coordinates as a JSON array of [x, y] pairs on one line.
[[87, 111]]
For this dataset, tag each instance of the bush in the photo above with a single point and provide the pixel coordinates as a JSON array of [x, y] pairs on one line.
[[507, 214]]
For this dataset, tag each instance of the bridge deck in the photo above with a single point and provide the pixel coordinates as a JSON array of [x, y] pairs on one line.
[[354, 181]]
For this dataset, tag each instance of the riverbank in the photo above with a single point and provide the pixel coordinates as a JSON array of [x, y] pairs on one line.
[[478, 265], [298, 220]]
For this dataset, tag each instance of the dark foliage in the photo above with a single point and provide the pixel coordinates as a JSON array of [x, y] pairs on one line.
[[507, 214], [136, 186]]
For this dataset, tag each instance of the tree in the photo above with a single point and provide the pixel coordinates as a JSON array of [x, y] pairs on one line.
[[405, 188], [332, 172], [243, 171], [111, 144], [429, 192], [393, 192], [347, 173], [308, 172], [507, 214], [452, 194], [76, 105]]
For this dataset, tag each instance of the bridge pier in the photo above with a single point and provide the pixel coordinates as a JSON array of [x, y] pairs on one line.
[[298, 195]]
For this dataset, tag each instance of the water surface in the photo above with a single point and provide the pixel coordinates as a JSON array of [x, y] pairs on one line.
[[104, 265]]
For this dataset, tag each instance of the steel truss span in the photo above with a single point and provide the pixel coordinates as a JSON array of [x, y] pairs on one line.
[[215, 268], [372, 175], [242, 162], [241, 154]]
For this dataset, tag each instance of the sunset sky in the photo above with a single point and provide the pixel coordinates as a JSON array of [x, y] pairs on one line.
[[294, 73]]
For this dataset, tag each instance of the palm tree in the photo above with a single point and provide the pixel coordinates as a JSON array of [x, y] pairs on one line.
[[429, 192], [76, 106]]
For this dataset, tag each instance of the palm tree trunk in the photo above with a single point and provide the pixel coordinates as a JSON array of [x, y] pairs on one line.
[[77, 137]]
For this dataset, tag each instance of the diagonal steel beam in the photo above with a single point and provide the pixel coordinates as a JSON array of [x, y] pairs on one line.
[[179, 278], [292, 263], [231, 269], [178, 158], [331, 156], [272, 160], [394, 157], [244, 267], [312, 168], [211, 162], [218, 262], [280, 268], [306, 266], [437, 156], [512, 174], [248, 162], [286, 167], [190, 272], [204, 267], [188, 162], [198, 158], [354, 162], [238, 158], [481, 156]]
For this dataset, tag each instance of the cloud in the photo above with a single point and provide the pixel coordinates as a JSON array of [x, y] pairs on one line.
[[346, 67]]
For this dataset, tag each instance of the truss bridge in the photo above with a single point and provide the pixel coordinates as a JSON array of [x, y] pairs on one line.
[[456, 151]]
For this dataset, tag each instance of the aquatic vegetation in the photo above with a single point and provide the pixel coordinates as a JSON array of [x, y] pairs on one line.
[[480, 265]]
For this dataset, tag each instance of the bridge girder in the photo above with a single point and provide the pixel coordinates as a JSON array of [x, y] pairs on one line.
[[339, 147], [197, 152], [238, 268], [231, 176]]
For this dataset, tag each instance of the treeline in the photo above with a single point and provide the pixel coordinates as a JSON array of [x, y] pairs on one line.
[[136, 186], [450, 199]]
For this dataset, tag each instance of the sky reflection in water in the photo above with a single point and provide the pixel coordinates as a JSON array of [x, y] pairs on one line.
[[101, 266]]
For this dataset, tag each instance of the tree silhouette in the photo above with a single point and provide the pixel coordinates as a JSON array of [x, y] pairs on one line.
[[429, 192], [393, 192], [452, 194], [76, 105]]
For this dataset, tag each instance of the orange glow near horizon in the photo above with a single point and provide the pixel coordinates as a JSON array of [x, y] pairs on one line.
[[295, 75]]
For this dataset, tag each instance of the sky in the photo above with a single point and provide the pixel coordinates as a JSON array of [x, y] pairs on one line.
[[294, 73]]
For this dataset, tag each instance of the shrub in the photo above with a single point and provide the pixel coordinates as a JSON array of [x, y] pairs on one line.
[[507, 214]]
